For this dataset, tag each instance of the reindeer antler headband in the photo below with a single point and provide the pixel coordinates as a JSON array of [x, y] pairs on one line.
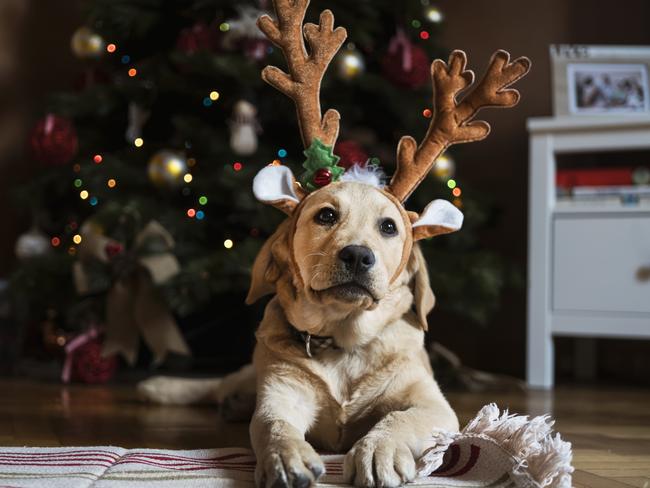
[[452, 122]]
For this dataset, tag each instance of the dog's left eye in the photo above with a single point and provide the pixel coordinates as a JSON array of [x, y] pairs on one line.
[[326, 216], [388, 227]]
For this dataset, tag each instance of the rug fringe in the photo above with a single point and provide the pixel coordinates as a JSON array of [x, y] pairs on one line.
[[541, 457]]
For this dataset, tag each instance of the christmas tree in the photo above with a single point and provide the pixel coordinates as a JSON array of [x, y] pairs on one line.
[[142, 217]]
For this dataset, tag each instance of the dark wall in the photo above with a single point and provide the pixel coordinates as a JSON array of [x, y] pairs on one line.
[[43, 63], [498, 166]]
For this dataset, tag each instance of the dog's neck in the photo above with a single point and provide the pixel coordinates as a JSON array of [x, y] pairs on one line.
[[350, 327]]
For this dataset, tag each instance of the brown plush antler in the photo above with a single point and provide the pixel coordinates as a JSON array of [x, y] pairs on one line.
[[306, 69], [452, 121]]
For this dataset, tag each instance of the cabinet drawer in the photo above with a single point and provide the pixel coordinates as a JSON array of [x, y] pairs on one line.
[[596, 260]]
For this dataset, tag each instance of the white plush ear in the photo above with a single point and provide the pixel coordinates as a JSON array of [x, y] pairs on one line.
[[275, 185], [439, 217]]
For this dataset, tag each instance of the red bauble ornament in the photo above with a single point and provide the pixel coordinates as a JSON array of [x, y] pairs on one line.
[[199, 37], [113, 249], [405, 64], [54, 140], [90, 367], [351, 153], [322, 177]]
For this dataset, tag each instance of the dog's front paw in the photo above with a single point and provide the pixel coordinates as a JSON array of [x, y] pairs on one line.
[[379, 461], [288, 463]]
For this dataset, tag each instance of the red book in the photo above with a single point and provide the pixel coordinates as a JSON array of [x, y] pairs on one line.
[[569, 178]]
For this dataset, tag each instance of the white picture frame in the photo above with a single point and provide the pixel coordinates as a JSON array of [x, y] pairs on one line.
[[570, 62]]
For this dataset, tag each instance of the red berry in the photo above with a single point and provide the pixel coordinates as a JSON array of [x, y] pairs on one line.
[[322, 177]]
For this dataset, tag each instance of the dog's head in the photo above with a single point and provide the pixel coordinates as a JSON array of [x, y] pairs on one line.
[[346, 245]]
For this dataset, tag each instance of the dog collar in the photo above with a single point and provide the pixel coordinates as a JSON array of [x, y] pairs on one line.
[[313, 343]]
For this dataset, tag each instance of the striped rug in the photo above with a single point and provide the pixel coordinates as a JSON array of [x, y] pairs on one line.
[[494, 450]]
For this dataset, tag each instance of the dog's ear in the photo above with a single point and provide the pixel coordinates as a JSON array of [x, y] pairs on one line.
[[268, 264], [423, 297], [439, 217], [276, 185]]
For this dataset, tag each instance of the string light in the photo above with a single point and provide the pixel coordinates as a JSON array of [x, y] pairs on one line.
[[200, 215], [458, 203], [191, 213], [456, 192], [427, 112], [76, 239], [98, 158], [237, 166], [224, 27], [138, 142], [451, 184], [187, 178], [111, 183], [203, 199], [132, 72], [72, 250], [126, 59], [78, 183], [191, 162], [416, 24], [282, 153], [207, 102], [434, 15], [55, 241], [228, 243], [76, 168], [214, 95], [424, 35], [83, 194], [111, 48], [93, 201]]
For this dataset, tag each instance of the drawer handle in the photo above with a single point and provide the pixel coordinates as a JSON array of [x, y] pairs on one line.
[[643, 273]]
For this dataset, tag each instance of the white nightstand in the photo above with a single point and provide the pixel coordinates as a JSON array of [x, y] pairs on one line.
[[583, 259]]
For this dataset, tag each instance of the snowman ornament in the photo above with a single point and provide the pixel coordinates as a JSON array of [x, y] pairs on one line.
[[244, 128]]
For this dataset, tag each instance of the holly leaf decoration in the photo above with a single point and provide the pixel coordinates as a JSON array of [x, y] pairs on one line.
[[320, 157]]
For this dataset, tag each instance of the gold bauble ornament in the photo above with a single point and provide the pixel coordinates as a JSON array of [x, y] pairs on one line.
[[444, 168], [167, 169], [86, 43], [350, 63]]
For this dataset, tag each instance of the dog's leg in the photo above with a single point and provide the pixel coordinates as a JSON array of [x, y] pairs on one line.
[[185, 391], [286, 407], [386, 456]]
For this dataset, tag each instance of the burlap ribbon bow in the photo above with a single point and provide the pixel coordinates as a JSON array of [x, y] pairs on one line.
[[133, 307]]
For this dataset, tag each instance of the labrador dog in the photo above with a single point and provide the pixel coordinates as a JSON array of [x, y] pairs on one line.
[[339, 363]]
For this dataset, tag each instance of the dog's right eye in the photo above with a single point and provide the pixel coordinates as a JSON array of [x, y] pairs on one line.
[[326, 216]]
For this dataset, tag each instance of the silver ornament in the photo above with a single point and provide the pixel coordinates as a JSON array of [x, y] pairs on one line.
[[32, 244]]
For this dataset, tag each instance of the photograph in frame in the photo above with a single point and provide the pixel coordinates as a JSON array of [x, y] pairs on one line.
[[607, 88]]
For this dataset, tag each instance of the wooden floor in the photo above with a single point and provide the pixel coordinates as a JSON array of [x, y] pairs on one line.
[[609, 429]]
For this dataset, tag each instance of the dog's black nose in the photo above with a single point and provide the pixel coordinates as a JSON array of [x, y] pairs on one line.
[[357, 259]]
